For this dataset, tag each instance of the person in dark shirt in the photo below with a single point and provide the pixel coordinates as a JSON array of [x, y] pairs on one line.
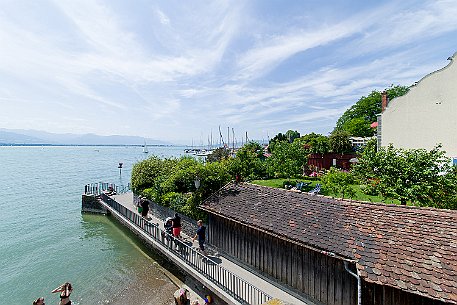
[[145, 206], [176, 226], [201, 231]]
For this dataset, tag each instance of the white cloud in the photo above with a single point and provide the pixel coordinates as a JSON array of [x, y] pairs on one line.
[[163, 18], [264, 58]]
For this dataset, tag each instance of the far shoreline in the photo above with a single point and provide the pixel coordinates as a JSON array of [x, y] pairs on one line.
[[91, 145]]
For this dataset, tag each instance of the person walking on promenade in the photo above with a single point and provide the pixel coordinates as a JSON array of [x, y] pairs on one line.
[[65, 290], [176, 226], [201, 232], [39, 301], [145, 206]]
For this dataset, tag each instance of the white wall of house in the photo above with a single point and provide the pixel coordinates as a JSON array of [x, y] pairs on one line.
[[426, 115]]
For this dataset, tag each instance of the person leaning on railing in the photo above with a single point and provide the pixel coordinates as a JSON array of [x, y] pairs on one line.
[[201, 232]]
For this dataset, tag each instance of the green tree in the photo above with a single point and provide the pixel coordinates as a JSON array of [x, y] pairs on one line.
[[358, 127], [287, 160], [315, 143], [416, 175], [145, 173], [171, 182], [212, 176], [180, 178], [249, 162], [289, 137], [339, 142], [357, 119], [218, 154]]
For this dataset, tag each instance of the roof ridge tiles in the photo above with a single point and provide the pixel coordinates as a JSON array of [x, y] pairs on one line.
[[350, 201]]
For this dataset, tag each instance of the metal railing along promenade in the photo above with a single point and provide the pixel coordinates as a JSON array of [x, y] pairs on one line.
[[100, 187], [233, 285]]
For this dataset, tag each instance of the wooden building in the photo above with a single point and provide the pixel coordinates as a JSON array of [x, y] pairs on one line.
[[402, 255], [325, 161]]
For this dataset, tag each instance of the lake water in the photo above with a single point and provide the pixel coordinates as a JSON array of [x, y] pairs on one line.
[[45, 240]]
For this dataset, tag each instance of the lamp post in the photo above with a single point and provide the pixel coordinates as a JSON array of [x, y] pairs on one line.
[[120, 168]]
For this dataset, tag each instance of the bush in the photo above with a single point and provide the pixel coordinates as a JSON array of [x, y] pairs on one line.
[[175, 201], [338, 182], [145, 173], [171, 182]]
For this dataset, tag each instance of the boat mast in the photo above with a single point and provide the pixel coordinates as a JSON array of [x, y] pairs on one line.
[[221, 139], [228, 138], [233, 138]]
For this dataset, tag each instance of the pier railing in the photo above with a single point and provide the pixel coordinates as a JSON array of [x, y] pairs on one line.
[[101, 187], [236, 287]]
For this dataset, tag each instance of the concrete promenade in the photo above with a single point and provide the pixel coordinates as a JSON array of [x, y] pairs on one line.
[[127, 201]]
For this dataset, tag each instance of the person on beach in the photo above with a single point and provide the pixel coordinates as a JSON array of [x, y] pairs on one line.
[[65, 291], [176, 226], [39, 301], [201, 236], [145, 206]]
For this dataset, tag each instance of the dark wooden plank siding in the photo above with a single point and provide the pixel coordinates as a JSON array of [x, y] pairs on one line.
[[323, 276], [373, 294], [311, 270], [331, 282], [338, 289]]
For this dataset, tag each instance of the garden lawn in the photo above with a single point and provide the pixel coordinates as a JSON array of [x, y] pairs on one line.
[[359, 195]]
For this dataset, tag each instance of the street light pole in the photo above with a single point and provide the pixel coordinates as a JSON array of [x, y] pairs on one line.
[[120, 168]]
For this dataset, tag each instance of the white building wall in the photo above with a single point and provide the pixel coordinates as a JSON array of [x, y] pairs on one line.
[[426, 115]]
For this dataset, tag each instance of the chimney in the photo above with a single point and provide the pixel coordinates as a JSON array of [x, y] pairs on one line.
[[384, 101]]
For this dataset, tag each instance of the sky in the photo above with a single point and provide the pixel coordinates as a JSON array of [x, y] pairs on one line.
[[177, 70]]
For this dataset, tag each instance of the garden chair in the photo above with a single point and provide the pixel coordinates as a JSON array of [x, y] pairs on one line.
[[302, 185], [315, 190]]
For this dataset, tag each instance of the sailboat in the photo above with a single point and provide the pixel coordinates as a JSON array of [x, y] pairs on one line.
[[145, 148]]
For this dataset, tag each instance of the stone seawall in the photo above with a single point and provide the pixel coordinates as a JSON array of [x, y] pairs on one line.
[[91, 204], [199, 286]]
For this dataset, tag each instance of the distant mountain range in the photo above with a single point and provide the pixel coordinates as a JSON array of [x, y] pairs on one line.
[[36, 137]]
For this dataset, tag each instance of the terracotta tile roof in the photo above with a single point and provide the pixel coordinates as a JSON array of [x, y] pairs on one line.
[[413, 249]]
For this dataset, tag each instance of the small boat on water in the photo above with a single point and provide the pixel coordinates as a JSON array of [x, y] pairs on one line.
[[204, 153], [145, 148]]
